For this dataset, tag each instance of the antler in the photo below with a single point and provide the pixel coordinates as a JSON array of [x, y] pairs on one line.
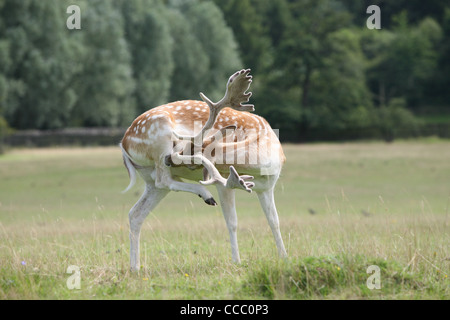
[[234, 180], [235, 95]]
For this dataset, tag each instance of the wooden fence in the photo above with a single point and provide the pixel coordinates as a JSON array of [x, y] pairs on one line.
[[66, 137], [113, 136]]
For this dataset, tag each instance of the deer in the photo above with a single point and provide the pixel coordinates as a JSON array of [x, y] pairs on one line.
[[221, 144]]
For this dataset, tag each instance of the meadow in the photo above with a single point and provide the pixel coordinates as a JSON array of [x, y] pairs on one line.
[[342, 208]]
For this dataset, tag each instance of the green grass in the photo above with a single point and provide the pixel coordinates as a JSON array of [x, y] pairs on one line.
[[373, 203]]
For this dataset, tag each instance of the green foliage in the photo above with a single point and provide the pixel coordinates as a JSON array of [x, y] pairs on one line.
[[403, 59], [205, 53], [319, 72], [217, 40], [395, 121], [190, 60], [104, 84], [437, 89], [331, 78], [3, 132], [148, 37], [122, 62], [250, 32], [37, 64], [339, 89]]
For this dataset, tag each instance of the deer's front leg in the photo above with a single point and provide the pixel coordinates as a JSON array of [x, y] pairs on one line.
[[227, 203]]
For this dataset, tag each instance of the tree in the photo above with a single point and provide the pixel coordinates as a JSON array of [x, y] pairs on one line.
[[249, 31], [217, 41], [105, 84], [340, 96], [191, 62], [417, 10], [303, 45], [402, 60], [36, 64], [437, 88], [148, 36]]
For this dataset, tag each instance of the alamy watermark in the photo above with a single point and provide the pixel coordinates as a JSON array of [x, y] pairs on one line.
[[374, 281], [74, 20], [374, 21], [74, 281]]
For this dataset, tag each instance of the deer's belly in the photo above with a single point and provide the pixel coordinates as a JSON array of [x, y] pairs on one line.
[[186, 173]]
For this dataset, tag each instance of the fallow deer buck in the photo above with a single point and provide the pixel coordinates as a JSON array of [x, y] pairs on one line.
[[165, 144]]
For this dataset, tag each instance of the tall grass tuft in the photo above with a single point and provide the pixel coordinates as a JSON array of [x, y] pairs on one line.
[[341, 276]]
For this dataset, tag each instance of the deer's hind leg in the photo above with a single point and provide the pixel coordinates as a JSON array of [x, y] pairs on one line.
[[227, 202], [267, 201], [148, 201]]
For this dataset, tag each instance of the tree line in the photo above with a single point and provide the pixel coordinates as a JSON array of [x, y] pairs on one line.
[[319, 73]]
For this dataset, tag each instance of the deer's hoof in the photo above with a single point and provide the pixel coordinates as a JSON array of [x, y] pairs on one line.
[[211, 202]]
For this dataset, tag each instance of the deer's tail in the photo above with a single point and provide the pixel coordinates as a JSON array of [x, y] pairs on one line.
[[130, 167]]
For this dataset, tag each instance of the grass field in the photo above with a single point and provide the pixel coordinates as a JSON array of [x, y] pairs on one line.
[[342, 207]]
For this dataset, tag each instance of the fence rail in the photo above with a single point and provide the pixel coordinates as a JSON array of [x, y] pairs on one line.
[[112, 136], [63, 137]]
